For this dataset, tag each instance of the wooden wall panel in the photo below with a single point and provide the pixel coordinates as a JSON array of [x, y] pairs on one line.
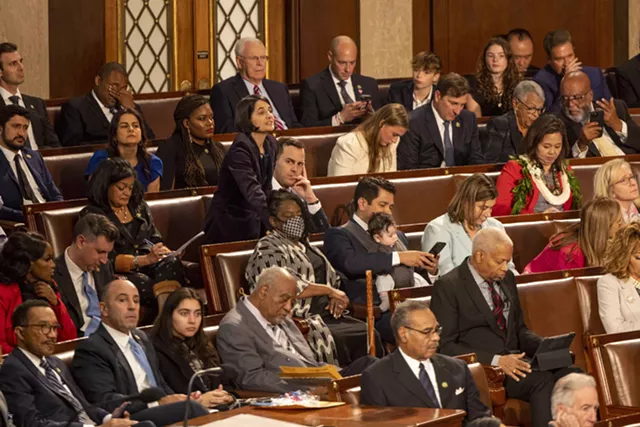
[[183, 46], [421, 25], [275, 36]]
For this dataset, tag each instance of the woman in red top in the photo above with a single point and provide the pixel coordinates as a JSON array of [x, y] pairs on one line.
[[583, 244], [539, 181], [26, 270]]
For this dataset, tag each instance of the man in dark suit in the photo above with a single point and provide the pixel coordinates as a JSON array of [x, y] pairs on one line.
[[83, 270], [352, 251], [251, 61], [24, 177], [41, 133], [478, 306], [563, 60], [417, 92], [290, 173], [628, 76], [442, 133], [414, 375], [504, 133], [86, 119], [39, 388], [119, 360], [334, 96], [521, 44], [620, 134]]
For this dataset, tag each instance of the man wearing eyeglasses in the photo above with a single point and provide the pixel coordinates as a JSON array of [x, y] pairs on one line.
[[613, 133], [251, 62], [414, 375], [504, 133]]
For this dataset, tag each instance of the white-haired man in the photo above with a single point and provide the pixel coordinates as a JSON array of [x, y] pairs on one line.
[[574, 401], [251, 61]]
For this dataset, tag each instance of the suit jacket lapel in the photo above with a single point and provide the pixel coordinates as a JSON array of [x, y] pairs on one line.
[[407, 96], [36, 124], [96, 110], [444, 379], [67, 288], [457, 128], [30, 160], [22, 358], [240, 87], [331, 89], [278, 102], [516, 136], [409, 380], [122, 360], [432, 127], [5, 167], [476, 296]]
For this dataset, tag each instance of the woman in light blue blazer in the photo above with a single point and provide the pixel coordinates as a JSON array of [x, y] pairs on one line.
[[469, 211], [619, 289]]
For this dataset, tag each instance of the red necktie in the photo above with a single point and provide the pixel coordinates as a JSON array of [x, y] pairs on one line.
[[498, 307]]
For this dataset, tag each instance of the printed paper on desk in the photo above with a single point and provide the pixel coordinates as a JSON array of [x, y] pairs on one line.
[[248, 420]]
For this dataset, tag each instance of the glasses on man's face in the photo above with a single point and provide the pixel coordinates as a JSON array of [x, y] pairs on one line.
[[45, 329], [577, 98], [531, 110], [627, 180], [427, 332]]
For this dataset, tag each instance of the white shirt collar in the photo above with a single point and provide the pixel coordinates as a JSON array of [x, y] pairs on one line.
[[6, 94], [336, 80], [120, 338], [33, 358], [439, 119], [414, 364], [256, 313], [100, 104], [250, 86], [275, 185], [10, 155], [360, 222], [74, 271]]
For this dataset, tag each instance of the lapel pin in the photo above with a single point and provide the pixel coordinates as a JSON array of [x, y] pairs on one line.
[[444, 384], [457, 124], [206, 150], [28, 156], [138, 215], [32, 107]]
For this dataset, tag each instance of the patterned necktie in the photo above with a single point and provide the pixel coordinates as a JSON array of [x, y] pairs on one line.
[[279, 125], [498, 307], [93, 309], [428, 386], [343, 92], [138, 353], [57, 385], [449, 158], [25, 189]]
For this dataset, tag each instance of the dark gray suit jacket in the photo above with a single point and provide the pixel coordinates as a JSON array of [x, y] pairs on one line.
[[42, 128], [504, 139]]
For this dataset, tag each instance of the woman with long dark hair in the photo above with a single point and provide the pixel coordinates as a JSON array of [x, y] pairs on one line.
[[191, 158], [127, 139], [26, 272]]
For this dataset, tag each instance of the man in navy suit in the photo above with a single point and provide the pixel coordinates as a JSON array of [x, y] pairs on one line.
[[39, 388], [41, 133], [442, 133], [24, 177], [334, 96], [562, 60], [418, 91], [86, 119], [251, 60]]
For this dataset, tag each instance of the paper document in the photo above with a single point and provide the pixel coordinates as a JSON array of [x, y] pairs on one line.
[[248, 420], [182, 248]]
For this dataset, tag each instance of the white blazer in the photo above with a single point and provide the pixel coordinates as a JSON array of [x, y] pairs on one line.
[[618, 304], [350, 156]]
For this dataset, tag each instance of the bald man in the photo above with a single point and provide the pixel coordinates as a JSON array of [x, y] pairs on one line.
[[251, 62], [620, 135], [337, 95], [258, 336], [478, 307]]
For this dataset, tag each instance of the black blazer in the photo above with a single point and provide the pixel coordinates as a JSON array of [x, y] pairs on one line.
[[628, 76], [632, 146], [390, 382], [504, 139], [401, 93], [319, 99], [422, 147], [468, 325], [82, 122], [68, 292], [226, 95], [103, 373], [239, 209], [10, 188], [42, 128], [33, 402]]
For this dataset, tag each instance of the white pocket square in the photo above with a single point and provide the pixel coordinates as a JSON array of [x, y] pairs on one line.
[[459, 390]]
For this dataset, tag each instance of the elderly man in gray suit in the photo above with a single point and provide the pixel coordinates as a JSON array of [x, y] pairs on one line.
[[258, 336]]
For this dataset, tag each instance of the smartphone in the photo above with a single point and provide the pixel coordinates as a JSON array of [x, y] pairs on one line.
[[365, 98], [437, 248], [598, 117]]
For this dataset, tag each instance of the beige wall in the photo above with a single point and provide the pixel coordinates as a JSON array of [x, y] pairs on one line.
[[634, 27], [26, 23], [385, 38]]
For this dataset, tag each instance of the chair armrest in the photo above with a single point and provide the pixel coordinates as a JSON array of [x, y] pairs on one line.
[[11, 226], [359, 311], [616, 410], [495, 378]]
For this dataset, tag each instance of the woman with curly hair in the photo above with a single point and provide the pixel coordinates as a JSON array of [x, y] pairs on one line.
[[191, 158], [539, 181], [26, 272], [495, 80]]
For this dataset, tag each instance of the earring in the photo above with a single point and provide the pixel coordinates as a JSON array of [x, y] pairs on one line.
[[189, 133]]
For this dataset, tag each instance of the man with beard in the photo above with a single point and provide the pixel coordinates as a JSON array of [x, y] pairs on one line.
[[619, 136], [24, 177]]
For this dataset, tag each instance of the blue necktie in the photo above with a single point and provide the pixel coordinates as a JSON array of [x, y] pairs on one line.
[[93, 310], [428, 387], [449, 158], [138, 353]]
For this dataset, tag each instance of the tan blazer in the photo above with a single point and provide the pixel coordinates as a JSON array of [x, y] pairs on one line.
[[618, 304], [350, 156]]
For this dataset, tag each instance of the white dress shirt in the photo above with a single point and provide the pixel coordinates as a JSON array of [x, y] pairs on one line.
[[10, 155], [105, 110], [440, 123], [265, 323], [76, 277], [264, 93], [414, 365], [348, 87], [5, 96], [623, 134], [417, 103], [313, 209]]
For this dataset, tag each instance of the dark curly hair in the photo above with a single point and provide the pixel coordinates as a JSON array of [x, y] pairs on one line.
[[109, 172], [112, 147], [276, 198], [20, 250], [510, 77]]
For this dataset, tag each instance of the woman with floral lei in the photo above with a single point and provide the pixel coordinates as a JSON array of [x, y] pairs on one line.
[[539, 181]]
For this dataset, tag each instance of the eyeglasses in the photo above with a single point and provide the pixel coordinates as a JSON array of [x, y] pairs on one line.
[[531, 110], [578, 98], [427, 332], [264, 58], [627, 180], [46, 328]]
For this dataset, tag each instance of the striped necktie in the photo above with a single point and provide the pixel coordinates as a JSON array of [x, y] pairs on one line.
[[58, 386]]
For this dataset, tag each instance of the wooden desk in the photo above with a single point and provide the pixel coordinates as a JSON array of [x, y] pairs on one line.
[[342, 416]]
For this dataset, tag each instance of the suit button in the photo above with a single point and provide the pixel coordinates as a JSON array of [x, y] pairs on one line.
[[135, 246], [288, 359]]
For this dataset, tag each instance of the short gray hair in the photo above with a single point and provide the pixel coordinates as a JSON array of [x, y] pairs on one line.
[[243, 42], [488, 238], [401, 315], [271, 276], [562, 393], [526, 87]]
